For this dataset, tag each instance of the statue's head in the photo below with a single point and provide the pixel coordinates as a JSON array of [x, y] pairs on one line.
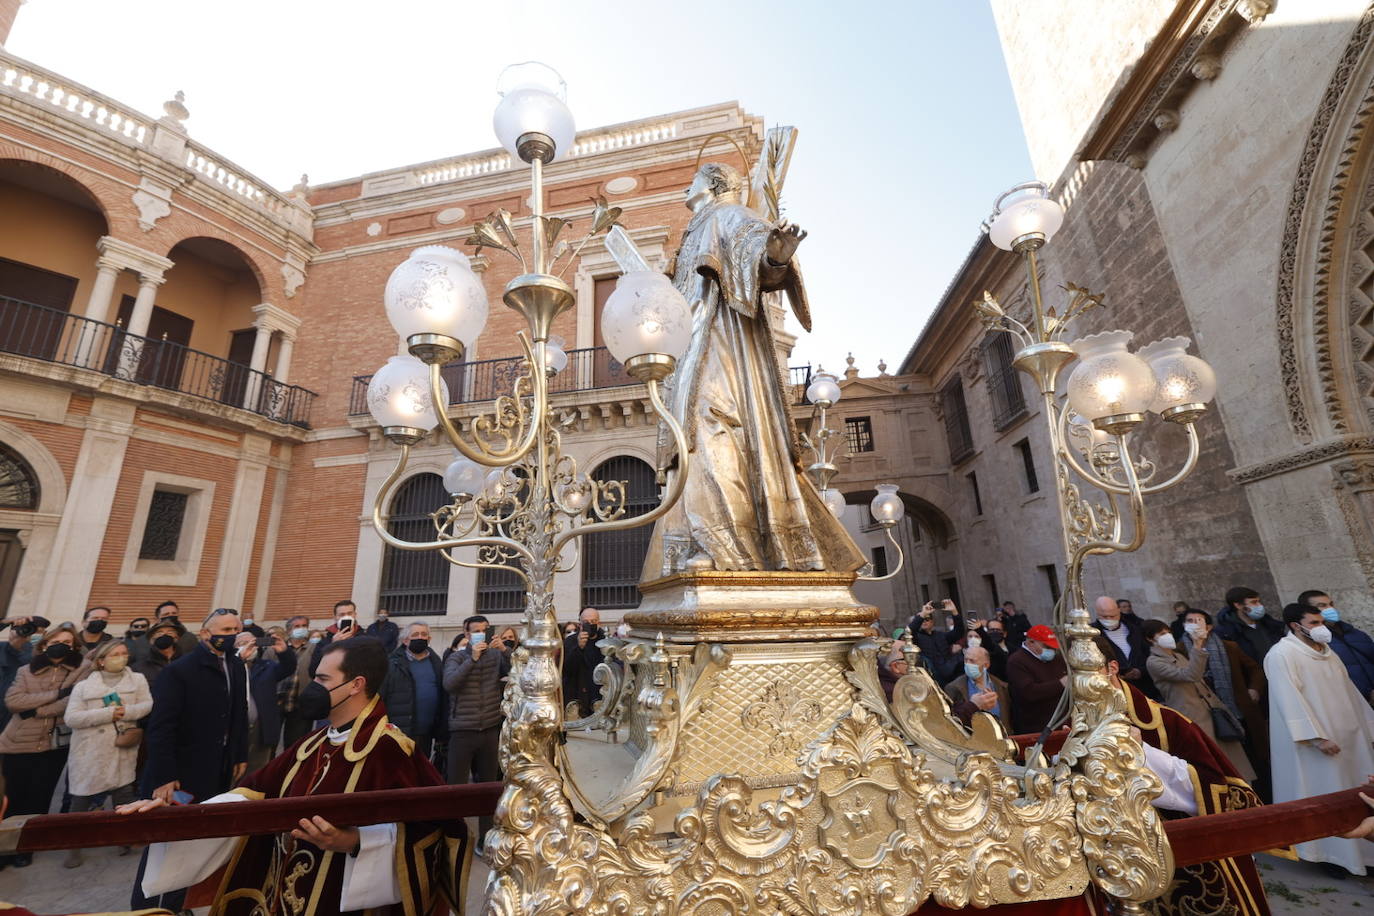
[[715, 181]]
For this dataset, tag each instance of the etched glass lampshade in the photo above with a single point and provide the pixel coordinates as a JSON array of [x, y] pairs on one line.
[[1181, 378], [824, 390], [434, 291], [555, 357], [534, 102], [834, 501], [1023, 213], [464, 477], [398, 395], [646, 315], [887, 507], [1109, 380]]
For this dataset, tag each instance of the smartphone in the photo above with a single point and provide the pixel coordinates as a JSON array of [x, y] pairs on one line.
[[345, 623], [479, 637], [182, 798], [110, 699], [265, 642]]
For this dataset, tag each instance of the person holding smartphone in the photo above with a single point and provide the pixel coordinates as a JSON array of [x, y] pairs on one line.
[[103, 712], [345, 626], [472, 680]]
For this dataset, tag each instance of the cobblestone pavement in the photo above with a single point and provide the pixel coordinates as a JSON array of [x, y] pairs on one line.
[[103, 881]]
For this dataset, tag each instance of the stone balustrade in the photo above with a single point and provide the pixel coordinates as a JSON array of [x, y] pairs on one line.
[[23, 80]]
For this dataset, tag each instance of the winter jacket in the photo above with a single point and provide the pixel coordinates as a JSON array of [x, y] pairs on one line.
[[264, 673], [199, 726], [1035, 689], [1137, 657], [387, 633], [1254, 641], [398, 693], [11, 660], [40, 688], [1356, 649], [95, 764], [474, 689], [935, 654]]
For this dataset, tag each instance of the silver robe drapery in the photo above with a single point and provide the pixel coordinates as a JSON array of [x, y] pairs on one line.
[[745, 505]]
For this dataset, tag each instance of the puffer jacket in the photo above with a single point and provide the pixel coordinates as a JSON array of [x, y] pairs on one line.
[[474, 688], [37, 690], [96, 765]]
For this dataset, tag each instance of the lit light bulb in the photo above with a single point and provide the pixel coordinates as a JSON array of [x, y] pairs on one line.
[[834, 501], [887, 507]]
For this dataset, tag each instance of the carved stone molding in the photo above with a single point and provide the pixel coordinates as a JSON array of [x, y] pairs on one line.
[[1315, 454], [1187, 50], [1320, 189], [1353, 482]]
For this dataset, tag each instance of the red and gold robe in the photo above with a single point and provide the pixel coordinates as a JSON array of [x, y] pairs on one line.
[[282, 875], [1223, 885]]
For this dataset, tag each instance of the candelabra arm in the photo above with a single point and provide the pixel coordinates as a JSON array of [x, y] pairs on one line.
[[670, 498], [1110, 486], [379, 522], [1115, 544], [533, 422], [901, 560], [447, 555]]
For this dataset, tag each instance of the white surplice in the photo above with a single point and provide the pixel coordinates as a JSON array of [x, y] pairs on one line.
[[1311, 696]]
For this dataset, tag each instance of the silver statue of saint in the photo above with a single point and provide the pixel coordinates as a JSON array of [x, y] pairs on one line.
[[746, 504]]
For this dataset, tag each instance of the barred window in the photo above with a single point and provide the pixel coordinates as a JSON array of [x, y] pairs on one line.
[[859, 433], [162, 533], [1004, 382], [1028, 465], [956, 421], [613, 561], [879, 561], [414, 582]]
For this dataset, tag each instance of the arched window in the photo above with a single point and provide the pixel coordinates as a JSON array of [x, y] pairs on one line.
[[612, 562], [415, 582], [498, 591], [18, 482]]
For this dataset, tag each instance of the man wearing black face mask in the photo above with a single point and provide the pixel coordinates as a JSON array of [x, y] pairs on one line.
[[197, 735], [168, 612], [93, 630], [416, 702]]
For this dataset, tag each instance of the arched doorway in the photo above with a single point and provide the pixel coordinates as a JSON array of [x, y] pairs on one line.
[[612, 561], [19, 491], [414, 582]]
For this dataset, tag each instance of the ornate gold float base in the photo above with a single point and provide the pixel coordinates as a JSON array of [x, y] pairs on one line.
[[764, 772]]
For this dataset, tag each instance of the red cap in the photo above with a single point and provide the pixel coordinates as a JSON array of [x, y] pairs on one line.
[[1043, 634]]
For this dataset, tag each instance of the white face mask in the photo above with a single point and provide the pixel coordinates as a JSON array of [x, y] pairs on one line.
[[1166, 641], [1320, 634], [974, 642], [1192, 629], [1110, 624]]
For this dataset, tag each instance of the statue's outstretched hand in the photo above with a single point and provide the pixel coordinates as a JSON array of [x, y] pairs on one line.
[[783, 242]]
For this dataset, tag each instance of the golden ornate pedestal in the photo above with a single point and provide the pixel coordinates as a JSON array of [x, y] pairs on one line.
[[766, 773]]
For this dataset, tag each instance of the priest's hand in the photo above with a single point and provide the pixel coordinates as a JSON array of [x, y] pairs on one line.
[[1329, 748], [138, 807], [164, 792], [783, 242], [239, 769], [319, 832]]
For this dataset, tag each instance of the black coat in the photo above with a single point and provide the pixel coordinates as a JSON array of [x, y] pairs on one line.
[[579, 665], [199, 726], [388, 634], [1254, 641], [398, 693], [263, 676], [935, 654], [1135, 660]]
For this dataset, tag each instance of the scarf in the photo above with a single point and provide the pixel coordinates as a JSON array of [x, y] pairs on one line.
[[1219, 673]]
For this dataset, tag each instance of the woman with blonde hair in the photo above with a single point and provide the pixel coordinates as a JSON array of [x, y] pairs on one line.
[[34, 742], [103, 712]]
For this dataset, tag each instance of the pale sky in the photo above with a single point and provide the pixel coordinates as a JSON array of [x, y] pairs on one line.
[[908, 129]]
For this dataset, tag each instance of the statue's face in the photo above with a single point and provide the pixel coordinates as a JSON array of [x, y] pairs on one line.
[[699, 194]]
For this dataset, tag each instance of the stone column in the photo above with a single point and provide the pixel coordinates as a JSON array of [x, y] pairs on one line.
[[106, 272], [257, 364], [139, 318], [288, 341], [245, 506]]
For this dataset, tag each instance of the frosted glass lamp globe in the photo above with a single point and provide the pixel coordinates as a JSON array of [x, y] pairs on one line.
[[532, 120], [834, 501], [435, 292], [555, 357], [824, 390], [887, 507], [1184, 383], [1025, 214], [646, 315], [464, 477], [398, 395], [576, 495], [1110, 382]]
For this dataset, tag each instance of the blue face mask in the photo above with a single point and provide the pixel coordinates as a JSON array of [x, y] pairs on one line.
[[1331, 615], [1255, 611], [973, 671], [1045, 655]]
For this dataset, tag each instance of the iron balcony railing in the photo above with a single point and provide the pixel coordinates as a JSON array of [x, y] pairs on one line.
[[55, 336], [488, 379]]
